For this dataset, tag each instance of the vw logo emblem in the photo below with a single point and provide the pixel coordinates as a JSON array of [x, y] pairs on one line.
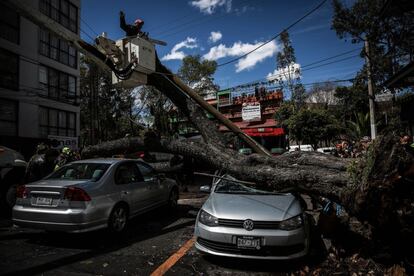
[[248, 225]]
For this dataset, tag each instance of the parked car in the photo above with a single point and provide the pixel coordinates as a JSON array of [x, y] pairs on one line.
[[12, 171], [277, 151], [326, 150], [300, 147], [245, 151], [238, 220], [91, 194]]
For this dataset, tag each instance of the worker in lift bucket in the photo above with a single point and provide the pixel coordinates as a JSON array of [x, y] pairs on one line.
[[131, 30]]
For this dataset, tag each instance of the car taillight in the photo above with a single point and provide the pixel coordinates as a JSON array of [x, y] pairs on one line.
[[76, 194], [21, 191]]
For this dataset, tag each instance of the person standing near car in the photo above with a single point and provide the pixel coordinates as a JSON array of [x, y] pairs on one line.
[[65, 157], [37, 167]]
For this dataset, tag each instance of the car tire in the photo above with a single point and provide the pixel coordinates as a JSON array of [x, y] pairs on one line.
[[173, 200], [118, 219], [10, 196]]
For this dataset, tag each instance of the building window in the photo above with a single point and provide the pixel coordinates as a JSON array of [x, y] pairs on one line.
[[73, 57], [57, 85], [56, 122], [61, 11], [71, 87], [9, 70], [8, 117], [9, 24], [43, 80], [57, 49]]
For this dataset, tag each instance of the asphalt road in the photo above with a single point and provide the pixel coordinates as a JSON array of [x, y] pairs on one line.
[[145, 247]]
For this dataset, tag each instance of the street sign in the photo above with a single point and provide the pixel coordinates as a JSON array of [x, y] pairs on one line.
[[251, 113], [64, 141], [384, 97]]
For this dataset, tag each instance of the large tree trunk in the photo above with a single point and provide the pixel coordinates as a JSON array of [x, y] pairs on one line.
[[373, 189]]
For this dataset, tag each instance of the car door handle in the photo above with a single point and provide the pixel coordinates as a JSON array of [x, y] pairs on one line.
[[125, 192]]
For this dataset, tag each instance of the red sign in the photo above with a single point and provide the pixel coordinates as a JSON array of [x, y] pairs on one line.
[[266, 131]]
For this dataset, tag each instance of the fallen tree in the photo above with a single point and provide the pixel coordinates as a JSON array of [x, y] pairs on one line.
[[374, 189]]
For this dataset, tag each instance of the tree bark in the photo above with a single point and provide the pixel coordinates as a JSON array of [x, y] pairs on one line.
[[373, 189]]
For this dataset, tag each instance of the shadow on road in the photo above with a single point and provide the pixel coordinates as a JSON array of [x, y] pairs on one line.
[[101, 242]]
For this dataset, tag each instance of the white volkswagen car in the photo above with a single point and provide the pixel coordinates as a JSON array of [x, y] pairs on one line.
[[245, 222]]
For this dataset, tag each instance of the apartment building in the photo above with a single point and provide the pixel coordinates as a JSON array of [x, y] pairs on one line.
[[39, 78]]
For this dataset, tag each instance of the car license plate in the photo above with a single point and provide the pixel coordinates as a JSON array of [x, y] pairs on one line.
[[248, 242], [43, 201]]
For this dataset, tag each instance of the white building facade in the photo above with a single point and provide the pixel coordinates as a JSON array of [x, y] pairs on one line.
[[39, 78]]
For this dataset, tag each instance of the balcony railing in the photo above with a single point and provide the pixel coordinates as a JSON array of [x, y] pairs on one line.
[[226, 101]]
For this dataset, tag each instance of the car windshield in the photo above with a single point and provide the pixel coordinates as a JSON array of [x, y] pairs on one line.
[[228, 186], [77, 171]]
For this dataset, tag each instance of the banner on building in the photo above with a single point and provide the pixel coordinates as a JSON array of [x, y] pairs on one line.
[[59, 142], [251, 113], [384, 97]]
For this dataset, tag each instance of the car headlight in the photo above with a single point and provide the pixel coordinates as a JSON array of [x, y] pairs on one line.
[[292, 223], [207, 219]]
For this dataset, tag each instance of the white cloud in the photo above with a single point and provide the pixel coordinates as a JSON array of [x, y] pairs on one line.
[[239, 49], [209, 6], [175, 53], [215, 36], [282, 74]]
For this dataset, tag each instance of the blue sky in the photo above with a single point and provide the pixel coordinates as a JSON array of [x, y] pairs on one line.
[[225, 29]]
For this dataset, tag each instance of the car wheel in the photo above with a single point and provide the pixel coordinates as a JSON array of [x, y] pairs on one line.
[[118, 219], [173, 199]]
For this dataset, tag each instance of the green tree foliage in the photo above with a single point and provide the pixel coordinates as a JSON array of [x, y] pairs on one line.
[[390, 34], [283, 113], [198, 74], [157, 110], [310, 126], [351, 100], [360, 126], [289, 75], [106, 111]]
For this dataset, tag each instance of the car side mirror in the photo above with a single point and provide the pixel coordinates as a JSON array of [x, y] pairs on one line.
[[205, 189]]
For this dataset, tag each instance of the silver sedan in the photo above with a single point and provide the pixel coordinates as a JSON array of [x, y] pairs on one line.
[[245, 222], [92, 194]]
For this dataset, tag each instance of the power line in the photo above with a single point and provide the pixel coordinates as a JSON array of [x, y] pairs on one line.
[[195, 19], [314, 67], [322, 82], [277, 35], [306, 69], [167, 33], [328, 63], [93, 39], [87, 25], [335, 56]]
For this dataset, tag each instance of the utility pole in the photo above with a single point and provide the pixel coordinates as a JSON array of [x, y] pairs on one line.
[[370, 92]]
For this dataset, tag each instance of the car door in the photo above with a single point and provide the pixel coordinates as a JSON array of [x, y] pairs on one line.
[[156, 188], [133, 189]]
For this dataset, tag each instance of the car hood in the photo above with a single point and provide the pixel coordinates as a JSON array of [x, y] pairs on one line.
[[255, 207]]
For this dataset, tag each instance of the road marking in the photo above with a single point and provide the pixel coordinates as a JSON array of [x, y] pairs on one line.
[[174, 258]]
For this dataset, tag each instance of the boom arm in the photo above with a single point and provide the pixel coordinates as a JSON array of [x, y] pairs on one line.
[[27, 9]]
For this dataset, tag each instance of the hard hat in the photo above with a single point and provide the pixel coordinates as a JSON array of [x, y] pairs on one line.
[[139, 21], [66, 150]]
